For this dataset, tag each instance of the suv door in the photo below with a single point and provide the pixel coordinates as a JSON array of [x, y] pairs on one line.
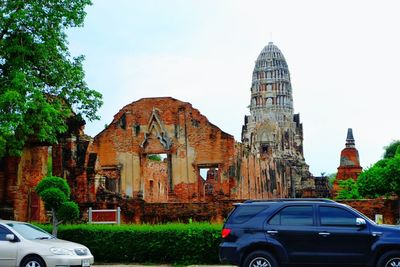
[[8, 250], [294, 229], [341, 240]]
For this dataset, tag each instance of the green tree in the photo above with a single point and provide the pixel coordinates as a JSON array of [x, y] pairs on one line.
[[348, 189], [55, 193], [372, 182], [392, 149], [331, 178], [382, 178], [393, 174], [154, 157], [41, 85]]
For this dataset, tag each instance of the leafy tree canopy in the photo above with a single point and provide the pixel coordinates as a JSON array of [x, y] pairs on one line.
[[68, 211], [55, 192], [154, 157], [53, 198], [53, 182], [372, 181], [331, 178], [392, 149], [41, 85], [382, 178]]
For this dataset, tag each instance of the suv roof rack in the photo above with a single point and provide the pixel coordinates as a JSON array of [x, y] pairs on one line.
[[289, 200]]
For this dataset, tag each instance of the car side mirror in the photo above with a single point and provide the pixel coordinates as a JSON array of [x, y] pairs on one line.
[[361, 222], [11, 238]]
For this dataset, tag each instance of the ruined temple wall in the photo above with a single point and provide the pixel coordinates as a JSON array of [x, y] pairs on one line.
[[23, 175], [260, 176], [164, 126], [388, 208], [134, 211], [70, 161]]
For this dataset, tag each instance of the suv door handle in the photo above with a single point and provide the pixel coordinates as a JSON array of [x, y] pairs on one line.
[[324, 233], [377, 233], [272, 232]]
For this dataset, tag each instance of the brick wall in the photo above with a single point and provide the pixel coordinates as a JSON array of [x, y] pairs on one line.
[[389, 208], [138, 211], [164, 126]]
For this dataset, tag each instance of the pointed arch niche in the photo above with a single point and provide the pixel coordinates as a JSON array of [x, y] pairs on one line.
[[155, 142]]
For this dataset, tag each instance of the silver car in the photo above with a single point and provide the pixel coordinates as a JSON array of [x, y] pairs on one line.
[[25, 245]]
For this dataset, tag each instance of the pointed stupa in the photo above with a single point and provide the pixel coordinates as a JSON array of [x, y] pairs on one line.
[[349, 155], [350, 139], [349, 162]]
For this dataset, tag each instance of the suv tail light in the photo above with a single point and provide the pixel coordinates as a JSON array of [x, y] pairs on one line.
[[225, 232]]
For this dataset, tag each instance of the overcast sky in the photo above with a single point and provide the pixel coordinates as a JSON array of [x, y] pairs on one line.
[[343, 57]]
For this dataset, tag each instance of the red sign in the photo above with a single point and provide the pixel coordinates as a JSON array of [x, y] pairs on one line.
[[104, 216]]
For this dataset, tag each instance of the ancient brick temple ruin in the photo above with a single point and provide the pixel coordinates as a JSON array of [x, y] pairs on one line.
[[159, 152], [272, 136], [186, 142], [349, 162]]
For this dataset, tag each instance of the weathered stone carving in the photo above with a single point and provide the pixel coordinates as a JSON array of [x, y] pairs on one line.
[[156, 127], [272, 132]]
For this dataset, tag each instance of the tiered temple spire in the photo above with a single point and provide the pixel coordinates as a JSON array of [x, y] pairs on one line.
[[271, 90]]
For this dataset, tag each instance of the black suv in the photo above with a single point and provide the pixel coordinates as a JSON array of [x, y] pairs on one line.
[[280, 232]]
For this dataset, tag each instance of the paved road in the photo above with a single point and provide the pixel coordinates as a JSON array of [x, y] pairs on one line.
[[160, 265], [129, 265], [166, 265]]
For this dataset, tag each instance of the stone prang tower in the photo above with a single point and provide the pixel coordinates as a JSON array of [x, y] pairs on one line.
[[272, 130]]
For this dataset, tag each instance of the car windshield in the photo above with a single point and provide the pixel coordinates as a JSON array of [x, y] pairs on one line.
[[29, 231]]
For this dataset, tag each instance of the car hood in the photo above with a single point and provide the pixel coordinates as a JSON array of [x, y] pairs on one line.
[[44, 245], [54, 242], [389, 230]]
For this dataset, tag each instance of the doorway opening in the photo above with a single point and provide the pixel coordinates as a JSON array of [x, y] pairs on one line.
[[208, 173]]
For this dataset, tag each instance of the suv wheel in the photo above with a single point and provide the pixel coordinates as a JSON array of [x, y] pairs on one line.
[[389, 259], [260, 259]]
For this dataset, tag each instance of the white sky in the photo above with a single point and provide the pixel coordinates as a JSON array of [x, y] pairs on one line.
[[343, 57]]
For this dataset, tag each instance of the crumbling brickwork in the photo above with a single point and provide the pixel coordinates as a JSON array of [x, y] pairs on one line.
[[20, 176], [176, 131], [389, 208], [323, 189]]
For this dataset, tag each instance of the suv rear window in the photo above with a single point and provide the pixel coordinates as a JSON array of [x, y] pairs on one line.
[[294, 215], [243, 213]]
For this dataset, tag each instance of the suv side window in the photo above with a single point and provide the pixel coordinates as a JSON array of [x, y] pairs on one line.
[[330, 216], [244, 213], [294, 215]]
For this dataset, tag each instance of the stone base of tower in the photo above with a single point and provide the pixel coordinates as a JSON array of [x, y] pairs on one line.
[[264, 175]]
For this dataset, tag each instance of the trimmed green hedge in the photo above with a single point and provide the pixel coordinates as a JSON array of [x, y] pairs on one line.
[[195, 243]]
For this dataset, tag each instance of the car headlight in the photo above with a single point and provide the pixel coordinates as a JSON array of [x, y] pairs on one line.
[[61, 251]]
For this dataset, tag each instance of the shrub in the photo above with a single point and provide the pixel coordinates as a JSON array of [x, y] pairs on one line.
[[348, 190], [55, 193], [195, 243]]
